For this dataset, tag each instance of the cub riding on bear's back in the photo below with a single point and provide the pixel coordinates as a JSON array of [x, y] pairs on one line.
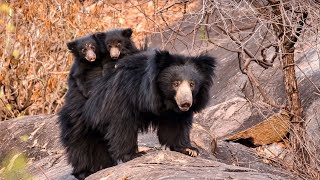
[[86, 148]]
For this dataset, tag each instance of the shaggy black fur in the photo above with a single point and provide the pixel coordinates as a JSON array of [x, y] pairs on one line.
[[117, 38], [87, 150], [140, 94], [82, 66]]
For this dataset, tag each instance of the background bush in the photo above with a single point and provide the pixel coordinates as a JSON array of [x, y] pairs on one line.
[[35, 62]]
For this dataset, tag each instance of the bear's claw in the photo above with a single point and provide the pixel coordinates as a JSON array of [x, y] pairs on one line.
[[192, 152]]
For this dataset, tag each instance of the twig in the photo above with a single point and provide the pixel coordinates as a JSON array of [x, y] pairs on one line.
[[59, 73], [260, 62], [247, 70], [171, 5], [291, 41], [44, 173], [315, 86], [261, 90]]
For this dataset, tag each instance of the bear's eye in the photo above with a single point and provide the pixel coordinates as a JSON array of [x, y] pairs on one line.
[[191, 84], [176, 83], [83, 50], [92, 47], [109, 46], [119, 45]]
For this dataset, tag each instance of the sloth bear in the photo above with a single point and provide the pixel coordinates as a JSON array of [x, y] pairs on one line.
[[95, 51], [87, 150], [87, 57], [117, 43], [148, 89]]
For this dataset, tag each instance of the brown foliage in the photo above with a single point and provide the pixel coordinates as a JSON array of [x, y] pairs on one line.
[[34, 59]]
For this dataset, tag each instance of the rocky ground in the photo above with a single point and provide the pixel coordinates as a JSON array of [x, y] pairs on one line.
[[47, 159]]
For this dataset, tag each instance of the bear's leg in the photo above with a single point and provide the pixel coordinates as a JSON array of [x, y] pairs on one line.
[[78, 72], [72, 140], [89, 154], [80, 83], [174, 131], [122, 136]]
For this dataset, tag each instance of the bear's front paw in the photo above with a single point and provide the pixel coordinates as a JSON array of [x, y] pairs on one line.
[[191, 151], [129, 157], [81, 175]]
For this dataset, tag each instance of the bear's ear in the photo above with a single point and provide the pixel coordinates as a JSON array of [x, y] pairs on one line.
[[163, 59], [72, 45], [205, 63], [100, 35], [127, 32]]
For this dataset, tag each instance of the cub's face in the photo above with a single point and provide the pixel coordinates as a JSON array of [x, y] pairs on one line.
[[114, 47], [84, 48], [180, 84], [117, 42]]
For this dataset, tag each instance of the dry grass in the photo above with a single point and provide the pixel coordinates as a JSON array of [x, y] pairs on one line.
[[34, 59]]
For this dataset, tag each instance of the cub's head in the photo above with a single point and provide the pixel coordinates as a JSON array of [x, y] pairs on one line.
[[117, 42], [184, 81], [85, 48]]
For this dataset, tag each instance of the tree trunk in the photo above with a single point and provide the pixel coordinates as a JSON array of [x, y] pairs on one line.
[[291, 86], [288, 38]]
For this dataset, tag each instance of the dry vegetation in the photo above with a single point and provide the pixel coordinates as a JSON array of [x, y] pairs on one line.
[[34, 59], [35, 62], [287, 29]]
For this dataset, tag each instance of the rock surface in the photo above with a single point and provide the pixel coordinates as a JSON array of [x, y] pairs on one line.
[[173, 165], [225, 118], [50, 162], [35, 136]]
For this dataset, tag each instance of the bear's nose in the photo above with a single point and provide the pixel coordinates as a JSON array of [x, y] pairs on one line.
[[114, 57], [92, 58], [186, 105]]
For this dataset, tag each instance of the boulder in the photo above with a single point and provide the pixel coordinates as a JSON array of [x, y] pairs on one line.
[[46, 159]]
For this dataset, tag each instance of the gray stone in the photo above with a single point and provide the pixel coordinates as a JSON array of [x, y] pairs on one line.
[[173, 165], [224, 118]]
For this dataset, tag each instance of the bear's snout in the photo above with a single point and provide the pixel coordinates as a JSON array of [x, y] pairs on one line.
[[184, 96], [114, 52], [90, 55]]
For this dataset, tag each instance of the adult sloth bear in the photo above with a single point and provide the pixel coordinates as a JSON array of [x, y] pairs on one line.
[[153, 88]]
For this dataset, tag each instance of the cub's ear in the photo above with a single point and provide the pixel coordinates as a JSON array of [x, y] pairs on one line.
[[205, 63], [100, 35], [127, 32], [72, 45], [163, 59]]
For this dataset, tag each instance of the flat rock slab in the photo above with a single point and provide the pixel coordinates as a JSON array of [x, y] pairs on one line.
[[172, 165], [53, 167], [35, 136]]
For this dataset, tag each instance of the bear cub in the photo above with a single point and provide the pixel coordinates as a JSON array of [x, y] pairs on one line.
[[87, 56], [117, 44], [101, 49]]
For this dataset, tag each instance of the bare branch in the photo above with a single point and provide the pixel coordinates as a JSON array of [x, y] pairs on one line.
[[260, 62], [247, 70], [173, 4]]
